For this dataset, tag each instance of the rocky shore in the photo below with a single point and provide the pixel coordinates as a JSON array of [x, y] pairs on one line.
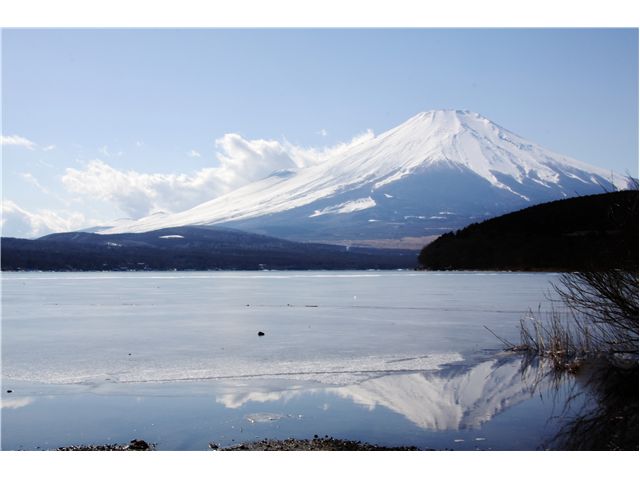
[[133, 445], [290, 444], [316, 443]]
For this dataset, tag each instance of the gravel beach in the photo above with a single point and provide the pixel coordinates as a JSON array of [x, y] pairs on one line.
[[290, 444], [324, 444]]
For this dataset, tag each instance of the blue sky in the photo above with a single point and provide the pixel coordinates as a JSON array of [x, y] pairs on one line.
[[97, 124]]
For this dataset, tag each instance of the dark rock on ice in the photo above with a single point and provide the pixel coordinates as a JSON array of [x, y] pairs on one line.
[[138, 445]]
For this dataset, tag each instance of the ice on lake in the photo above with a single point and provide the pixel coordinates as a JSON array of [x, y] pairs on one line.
[[387, 344], [134, 327]]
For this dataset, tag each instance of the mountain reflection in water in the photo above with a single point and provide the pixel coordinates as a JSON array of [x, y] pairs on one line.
[[457, 397]]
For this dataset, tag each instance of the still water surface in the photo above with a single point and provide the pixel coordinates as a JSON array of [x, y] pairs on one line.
[[174, 358]]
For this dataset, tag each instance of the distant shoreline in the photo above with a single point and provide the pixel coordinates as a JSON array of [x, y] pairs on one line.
[[412, 270]]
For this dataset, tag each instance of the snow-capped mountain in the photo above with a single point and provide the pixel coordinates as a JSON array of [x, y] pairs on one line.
[[438, 171]]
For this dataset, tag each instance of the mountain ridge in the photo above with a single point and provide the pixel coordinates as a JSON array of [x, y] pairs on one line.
[[438, 171], [189, 248], [595, 232]]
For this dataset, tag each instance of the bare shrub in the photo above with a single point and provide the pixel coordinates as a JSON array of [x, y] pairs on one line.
[[605, 305], [601, 303]]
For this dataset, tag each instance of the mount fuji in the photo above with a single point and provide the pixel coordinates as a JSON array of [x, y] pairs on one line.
[[438, 171]]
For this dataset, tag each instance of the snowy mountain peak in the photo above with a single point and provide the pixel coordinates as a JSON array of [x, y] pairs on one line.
[[449, 122], [472, 141], [398, 183]]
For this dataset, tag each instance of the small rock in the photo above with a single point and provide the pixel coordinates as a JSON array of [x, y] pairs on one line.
[[213, 446], [261, 334], [136, 444], [9, 391]]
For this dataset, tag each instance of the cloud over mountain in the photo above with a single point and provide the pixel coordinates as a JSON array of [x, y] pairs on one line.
[[19, 222], [240, 161]]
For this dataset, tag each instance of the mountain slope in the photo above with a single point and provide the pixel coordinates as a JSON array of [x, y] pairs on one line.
[[438, 171], [592, 232], [189, 248]]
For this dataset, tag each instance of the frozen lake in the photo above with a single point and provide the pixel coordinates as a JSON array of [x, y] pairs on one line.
[[174, 358]]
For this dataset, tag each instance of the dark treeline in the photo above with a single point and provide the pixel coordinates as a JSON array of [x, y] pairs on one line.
[[199, 248], [594, 232]]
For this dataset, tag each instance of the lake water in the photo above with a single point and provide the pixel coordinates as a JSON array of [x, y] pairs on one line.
[[395, 358]]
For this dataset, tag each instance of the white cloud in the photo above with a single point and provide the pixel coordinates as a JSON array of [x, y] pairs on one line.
[[48, 148], [105, 152], [139, 143], [17, 141], [46, 164], [29, 178], [18, 222], [241, 161], [138, 194], [194, 154], [312, 156], [323, 133]]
